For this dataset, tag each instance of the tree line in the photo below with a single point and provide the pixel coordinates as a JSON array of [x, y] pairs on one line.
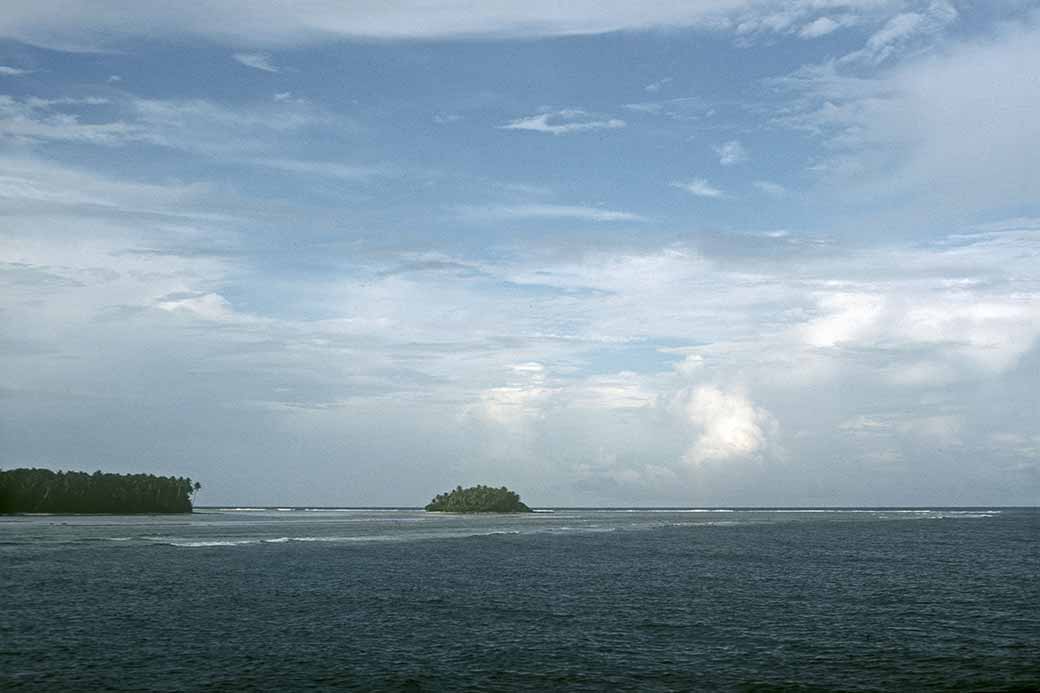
[[46, 491], [478, 499]]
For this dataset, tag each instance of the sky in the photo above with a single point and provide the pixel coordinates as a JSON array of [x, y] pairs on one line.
[[678, 253]]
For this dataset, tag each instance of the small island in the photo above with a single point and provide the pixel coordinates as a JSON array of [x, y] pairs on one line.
[[46, 491], [478, 499]]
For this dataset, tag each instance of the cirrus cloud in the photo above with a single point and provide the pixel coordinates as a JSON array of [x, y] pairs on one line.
[[699, 187], [563, 122]]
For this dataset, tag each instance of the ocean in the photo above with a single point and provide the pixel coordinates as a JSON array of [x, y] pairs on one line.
[[237, 599]]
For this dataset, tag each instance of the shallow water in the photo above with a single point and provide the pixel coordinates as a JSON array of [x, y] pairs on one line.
[[658, 600]]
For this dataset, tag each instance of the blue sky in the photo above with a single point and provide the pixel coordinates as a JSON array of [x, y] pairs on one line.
[[689, 253]]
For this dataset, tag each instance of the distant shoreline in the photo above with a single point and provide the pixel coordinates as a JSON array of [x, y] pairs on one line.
[[35, 490]]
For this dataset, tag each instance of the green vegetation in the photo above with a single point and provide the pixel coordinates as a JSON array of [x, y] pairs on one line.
[[44, 491], [478, 499]]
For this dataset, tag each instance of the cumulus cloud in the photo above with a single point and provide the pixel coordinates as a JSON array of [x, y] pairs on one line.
[[518, 402], [699, 187], [963, 333], [552, 358], [847, 317], [8, 71], [564, 122], [512, 405], [729, 426], [569, 351], [821, 26]]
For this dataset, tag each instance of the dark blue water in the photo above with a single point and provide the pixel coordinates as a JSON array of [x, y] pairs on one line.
[[571, 600]]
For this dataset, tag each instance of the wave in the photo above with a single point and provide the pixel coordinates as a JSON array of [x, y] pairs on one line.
[[659, 510], [203, 544], [359, 510], [910, 511], [404, 527], [180, 542]]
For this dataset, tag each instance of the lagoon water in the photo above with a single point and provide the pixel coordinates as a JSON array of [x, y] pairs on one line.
[[395, 599]]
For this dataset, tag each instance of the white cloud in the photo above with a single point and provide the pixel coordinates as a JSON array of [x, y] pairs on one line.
[[328, 169], [882, 429], [84, 25], [232, 131], [821, 26], [732, 152], [699, 187], [770, 188], [532, 367], [28, 186], [564, 122], [812, 18], [651, 107], [31, 120], [940, 429], [534, 346], [692, 363], [883, 456], [928, 133], [211, 307], [543, 211], [257, 61], [1021, 445], [7, 71], [847, 318], [625, 390], [513, 405], [729, 426], [657, 86], [883, 43], [197, 124], [517, 403], [97, 245], [524, 189], [963, 333], [902, 29], [79, 24]]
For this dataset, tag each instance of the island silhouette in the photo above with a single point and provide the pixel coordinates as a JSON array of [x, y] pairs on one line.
[[46, 491], [478, 499]]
